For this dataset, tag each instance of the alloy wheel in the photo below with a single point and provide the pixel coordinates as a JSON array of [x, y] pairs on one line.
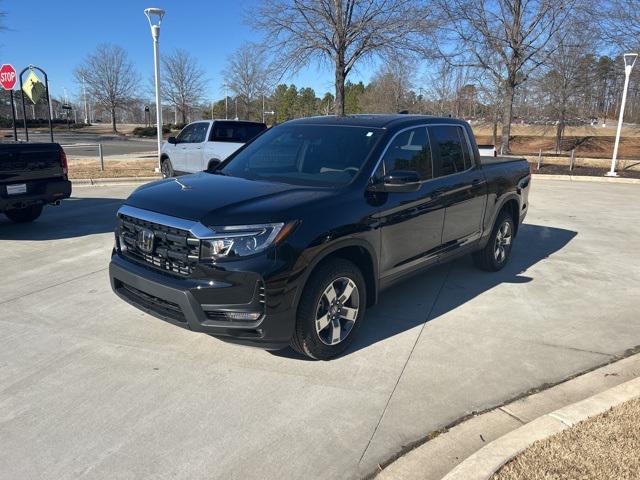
[[503, 242], [337, 311]]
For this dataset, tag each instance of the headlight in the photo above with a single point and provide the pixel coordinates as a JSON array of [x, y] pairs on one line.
[[239, 241]]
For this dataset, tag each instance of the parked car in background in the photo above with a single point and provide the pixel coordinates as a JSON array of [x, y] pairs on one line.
[[32, 175], [487, 150], [203, 144], [290, 239]]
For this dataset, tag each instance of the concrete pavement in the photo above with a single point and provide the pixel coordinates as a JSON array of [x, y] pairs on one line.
[[89, 386]]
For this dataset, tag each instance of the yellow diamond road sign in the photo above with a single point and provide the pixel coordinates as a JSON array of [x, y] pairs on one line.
[[34, 88]]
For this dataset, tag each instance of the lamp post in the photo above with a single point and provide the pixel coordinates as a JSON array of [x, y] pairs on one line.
[[84, 94], [629, 61], [154, 15]]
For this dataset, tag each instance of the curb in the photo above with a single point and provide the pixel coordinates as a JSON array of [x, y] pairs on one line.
[[97, 182], [584, 178], [489, 459]]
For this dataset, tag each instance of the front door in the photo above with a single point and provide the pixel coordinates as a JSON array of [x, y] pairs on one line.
[[194, 149], [411, 223]]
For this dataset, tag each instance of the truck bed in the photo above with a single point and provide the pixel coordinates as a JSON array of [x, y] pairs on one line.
[[503, 159]]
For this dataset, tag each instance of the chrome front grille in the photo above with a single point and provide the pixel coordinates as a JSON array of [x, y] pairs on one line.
[[172, 250]]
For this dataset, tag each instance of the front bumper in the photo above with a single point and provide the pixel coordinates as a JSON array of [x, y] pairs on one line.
[[200, 304], [38, 192]]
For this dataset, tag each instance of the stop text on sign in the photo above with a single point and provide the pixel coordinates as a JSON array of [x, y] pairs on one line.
[[7, 76]]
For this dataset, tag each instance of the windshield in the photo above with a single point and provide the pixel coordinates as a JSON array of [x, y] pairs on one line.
[[314, 155]]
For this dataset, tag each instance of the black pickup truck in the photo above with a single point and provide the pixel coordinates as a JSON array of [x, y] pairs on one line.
[[31, 176], [294, 235]]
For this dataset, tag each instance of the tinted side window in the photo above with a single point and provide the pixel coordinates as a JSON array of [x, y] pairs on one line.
[[235, 132], [199, 133], [185, 134], [448, 143], [410, 150]]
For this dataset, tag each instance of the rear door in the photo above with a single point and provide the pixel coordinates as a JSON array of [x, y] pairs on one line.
[[462, 184], [411, 222]]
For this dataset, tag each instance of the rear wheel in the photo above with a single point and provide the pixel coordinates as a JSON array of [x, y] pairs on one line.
[[24, 215], [495, 254], [330, 311], [166, 168]]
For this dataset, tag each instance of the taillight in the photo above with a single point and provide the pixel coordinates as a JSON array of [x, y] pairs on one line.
[[63, 162]]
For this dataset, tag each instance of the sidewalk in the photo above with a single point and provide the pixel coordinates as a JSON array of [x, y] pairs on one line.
[[445, 452]]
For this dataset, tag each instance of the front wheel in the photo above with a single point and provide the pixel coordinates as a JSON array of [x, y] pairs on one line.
[[330, 311], [495, 254], [24, 215], [166, 168]]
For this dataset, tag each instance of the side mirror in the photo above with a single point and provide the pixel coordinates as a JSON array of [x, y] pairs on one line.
[[172, 140], [400, 181], [213, 164]]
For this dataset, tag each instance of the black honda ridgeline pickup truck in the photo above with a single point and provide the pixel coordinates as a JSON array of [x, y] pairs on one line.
[[290, 239]]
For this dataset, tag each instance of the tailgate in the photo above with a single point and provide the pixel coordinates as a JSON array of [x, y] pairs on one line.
[[21, 162]]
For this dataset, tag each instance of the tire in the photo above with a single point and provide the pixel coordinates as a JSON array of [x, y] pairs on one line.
[[321, 342], [24, 215], [167, 169], [495, 255]]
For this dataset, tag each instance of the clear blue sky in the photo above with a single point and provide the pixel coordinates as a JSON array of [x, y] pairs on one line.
[[56, 35]]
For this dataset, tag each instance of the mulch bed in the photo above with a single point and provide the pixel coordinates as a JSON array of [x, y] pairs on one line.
[[580, 170]]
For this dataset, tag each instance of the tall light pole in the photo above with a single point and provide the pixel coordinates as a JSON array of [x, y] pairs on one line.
[[226, 103], [154, 15], [629, 61], [84, 94]]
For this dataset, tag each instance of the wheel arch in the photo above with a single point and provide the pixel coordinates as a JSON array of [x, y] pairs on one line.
[[360, 252], [510, 202]]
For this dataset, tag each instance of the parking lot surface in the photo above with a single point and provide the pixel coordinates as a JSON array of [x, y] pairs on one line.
[[111, 144], [91, 387]]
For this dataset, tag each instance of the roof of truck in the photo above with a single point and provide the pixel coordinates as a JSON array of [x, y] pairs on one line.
[[374, 120]]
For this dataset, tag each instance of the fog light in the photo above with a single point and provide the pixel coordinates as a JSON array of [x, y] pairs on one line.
[[246, 316]]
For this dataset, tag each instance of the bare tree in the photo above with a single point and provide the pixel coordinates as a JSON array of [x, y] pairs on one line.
[[183, 81], [508, 38], [110, 78], [563, 80], [619, 21], [248, 76], [341, 32], [390, 88]]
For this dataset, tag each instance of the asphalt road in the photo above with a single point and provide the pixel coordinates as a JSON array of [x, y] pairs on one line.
[[91, 387], [111, 144]]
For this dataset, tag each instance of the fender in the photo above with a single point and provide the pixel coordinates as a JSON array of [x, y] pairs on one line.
[[322, 252], [501, 201]]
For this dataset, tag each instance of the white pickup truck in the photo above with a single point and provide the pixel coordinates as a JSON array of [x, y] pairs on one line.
[[203, 144]]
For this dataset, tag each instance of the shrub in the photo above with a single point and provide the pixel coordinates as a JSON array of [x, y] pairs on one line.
[[149, 131]]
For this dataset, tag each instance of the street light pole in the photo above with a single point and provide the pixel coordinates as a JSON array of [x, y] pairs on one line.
[[629, 61], [226, 103], [156, 14], [84, 94]]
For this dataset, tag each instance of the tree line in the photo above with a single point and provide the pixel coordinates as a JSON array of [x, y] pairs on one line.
[[555, 62]]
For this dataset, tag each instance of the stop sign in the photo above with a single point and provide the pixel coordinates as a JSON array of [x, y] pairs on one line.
[[7, 76]]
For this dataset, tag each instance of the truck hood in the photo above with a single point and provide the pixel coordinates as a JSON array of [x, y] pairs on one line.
[[216, 200]]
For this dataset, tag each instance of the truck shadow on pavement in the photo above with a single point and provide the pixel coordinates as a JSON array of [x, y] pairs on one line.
[[74, 217], [426, 296]]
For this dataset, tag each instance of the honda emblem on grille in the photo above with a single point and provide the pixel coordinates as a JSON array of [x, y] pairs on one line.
[[145, 240]]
